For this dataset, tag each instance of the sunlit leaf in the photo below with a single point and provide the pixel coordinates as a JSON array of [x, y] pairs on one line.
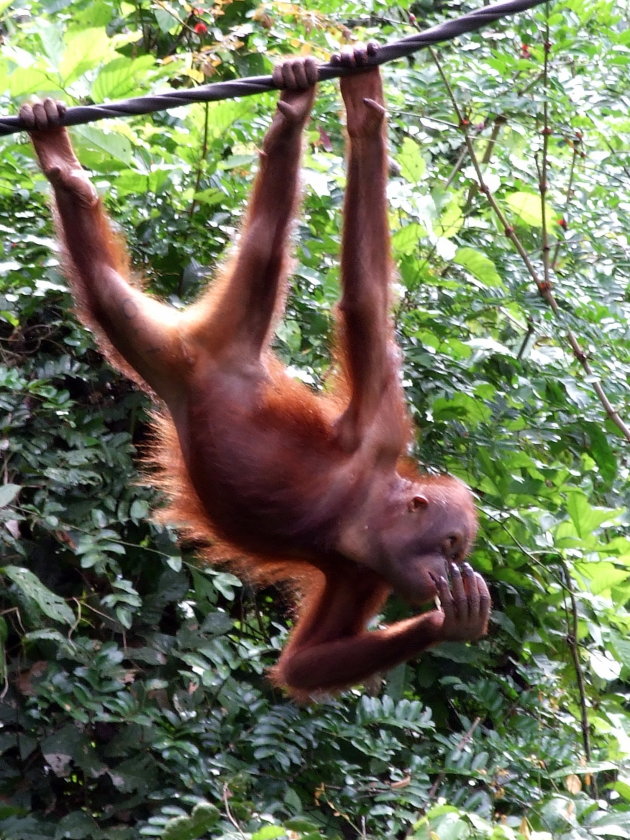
[[585, 517], [412, 163], [479, 265], [527, 208], [84, 49]]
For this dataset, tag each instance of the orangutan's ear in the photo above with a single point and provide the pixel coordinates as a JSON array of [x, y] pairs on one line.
[[416, 502]]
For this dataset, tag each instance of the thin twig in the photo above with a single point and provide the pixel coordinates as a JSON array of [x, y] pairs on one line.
[[567, 203], [572, 643], [485, 160], [228, 812], [526, 339], [542, 183]]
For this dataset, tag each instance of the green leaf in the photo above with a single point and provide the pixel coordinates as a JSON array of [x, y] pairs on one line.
[[602, 451], [604, 665], [300, 824], [621, 649], [98, 146], [479, 265], [269, 832], [50, 604], [225, 583], [407, 239], [203, 817], [585, 518], [121, 77], [29, 80], [222, 115], [139, 510], [463, 406], [601, 576], [166, 18], [527, 208], [78, 826], [622, 786], [48, 635], [217, 624], [84, 49], [8, 492], [583, 768], [412, 164], [451, 219]]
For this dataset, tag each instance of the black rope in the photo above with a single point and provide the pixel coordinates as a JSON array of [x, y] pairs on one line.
[[257, 84]]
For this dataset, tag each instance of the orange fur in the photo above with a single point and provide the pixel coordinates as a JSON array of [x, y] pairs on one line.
[[261, 474]]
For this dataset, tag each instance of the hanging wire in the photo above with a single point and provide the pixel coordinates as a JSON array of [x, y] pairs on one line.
[[258, 84]]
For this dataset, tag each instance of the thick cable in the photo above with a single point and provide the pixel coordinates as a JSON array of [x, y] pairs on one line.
[[258, 84]]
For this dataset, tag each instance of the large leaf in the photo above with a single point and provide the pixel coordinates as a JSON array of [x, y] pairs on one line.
[[527, 208], [8, 492], [412, 163], [32, 588], [203, 817], [479, 265], [587, 518]]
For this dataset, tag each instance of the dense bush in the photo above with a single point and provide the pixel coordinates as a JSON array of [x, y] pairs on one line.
[[133, 699]]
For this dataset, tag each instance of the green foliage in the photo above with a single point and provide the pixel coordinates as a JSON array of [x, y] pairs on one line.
[[133, 701]]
